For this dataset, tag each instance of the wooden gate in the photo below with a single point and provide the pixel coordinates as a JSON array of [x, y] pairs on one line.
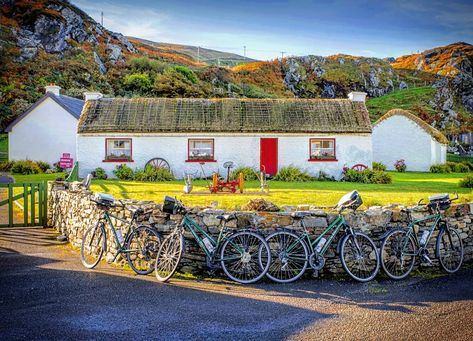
[[23, 204]]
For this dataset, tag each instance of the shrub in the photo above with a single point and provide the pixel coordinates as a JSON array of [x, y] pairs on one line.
[[57, 168], [325, 177], [186, 72], [379, 166], [449, 167], [367, 176], [469, 164], [292, 174], [138, 83], [123, 172], [467, 181], [249, 173], [25, 167], [43, 165], [6, 166], [99, 173], [440, 168], [461, 168], [400, 165], [152, 174]]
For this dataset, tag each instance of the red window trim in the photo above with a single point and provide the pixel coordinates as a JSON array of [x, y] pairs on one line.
[[189, 150], [119, 139], [323, 139]]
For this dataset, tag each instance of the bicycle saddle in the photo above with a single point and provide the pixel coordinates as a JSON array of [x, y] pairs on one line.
[[227, 217], [300, 215], [139, 211]]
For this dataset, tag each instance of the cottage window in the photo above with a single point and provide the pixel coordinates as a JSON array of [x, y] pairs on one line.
[[118, 150], [322, 150], [201, 150]]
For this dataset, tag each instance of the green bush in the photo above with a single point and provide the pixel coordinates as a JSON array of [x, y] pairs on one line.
[[151, 174], [461, 168], [25, 167], [467, 181], [292, 174], [440, 168], [249, 173], [6, 166], [367, 176], [123, 172], [99, 173], [449, 167], [379, 166], [43, 165], [138, 83], [186, 72], [325, 177]]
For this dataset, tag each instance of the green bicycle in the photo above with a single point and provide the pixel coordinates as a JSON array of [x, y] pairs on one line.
[[243, 255], [140, 243], [400, 246], [291, 253]]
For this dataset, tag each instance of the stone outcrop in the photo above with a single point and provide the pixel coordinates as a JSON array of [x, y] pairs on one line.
[[71, 213]]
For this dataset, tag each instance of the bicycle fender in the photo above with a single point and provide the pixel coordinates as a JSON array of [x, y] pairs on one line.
[[385, 234]]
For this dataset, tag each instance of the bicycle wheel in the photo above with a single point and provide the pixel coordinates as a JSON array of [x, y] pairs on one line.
[[359, 256], [169, 256], [245, 257], [398, 254], [289, 256], [93, 245], [143, 246], [450, 249]]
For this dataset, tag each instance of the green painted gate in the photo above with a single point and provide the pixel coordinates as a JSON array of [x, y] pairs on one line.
[[23, 204]]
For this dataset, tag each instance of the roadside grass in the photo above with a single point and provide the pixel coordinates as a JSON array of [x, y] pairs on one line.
[[406, 188], [3, 146]]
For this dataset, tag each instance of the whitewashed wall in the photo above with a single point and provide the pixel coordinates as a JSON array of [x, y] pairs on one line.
[[242, 149], [44, 134], [401, 138]]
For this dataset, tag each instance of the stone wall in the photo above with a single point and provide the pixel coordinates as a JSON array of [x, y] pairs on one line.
[[71, 212]]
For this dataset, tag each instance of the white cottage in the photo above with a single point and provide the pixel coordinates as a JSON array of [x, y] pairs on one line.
[[47, 129], [312, 134], [401, 135]]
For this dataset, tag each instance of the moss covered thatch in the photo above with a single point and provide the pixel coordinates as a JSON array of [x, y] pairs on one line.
[[153, 115], [437, 135]]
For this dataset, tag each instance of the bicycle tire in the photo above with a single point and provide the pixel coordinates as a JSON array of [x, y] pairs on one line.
[[281, 269], [365, 243], [386, 253], [147, 242], [99, 247], [441, 250], [250, 259], [168, 257]]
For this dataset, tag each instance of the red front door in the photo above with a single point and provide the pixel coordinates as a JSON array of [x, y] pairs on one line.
[[269, 155]]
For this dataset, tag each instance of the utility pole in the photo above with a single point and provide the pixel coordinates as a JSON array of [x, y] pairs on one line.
[[198, 53], [101, 18], [282, 55], [244, 51]]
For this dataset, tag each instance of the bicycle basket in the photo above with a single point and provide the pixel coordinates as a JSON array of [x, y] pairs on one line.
[[442, 201], [104, 199], [169, 205], [350, 200]]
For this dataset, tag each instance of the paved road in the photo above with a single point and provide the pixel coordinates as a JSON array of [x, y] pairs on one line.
[[46, 294]]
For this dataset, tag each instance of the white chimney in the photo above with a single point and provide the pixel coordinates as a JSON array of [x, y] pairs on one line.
[[54, 89], [90, 95], [356, 96]]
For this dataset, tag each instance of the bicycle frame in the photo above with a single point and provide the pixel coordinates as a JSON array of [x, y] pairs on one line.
[[121, 247], [437, 217]]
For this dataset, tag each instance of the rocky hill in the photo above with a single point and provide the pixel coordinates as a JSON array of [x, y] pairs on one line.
[[52, 41]]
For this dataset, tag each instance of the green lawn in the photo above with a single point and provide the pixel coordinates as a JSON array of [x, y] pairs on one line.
[[407, 188], [458, 158], [3, 147]]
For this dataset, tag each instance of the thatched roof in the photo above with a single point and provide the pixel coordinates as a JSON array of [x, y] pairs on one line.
[[170, 115], [437, 135]]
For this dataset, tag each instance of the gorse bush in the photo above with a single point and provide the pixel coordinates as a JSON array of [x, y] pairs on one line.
[[151, 174], [467, 181], [367, 176], [249, 174], [123, 172], [292, 174], [25, 167], [99, 173], [379, 166]]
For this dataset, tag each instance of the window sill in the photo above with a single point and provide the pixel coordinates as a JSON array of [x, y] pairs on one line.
[[204, 161], [121, 161], [327, 160]]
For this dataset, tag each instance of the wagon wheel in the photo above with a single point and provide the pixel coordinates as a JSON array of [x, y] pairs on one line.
[[359, 167], [157, 163], [241, 183]]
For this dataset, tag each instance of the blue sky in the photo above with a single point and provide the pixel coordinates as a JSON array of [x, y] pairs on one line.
[[367, 28]]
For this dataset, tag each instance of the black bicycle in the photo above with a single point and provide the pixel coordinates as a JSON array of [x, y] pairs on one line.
[[140, 243]]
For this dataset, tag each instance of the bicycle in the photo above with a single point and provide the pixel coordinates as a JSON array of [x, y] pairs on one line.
[[401, 246], [243, 255], [291, 252], [140, 243]]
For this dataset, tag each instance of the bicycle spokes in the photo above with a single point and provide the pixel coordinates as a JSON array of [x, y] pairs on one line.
[[360, 257]]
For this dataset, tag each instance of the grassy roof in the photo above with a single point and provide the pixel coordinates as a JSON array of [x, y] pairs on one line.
[[154, 115], [437, 135]]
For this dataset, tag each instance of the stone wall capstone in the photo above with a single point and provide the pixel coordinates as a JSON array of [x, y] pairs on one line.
[[71, 212]]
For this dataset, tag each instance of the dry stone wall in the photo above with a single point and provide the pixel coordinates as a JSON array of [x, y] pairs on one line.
[[71, 212]]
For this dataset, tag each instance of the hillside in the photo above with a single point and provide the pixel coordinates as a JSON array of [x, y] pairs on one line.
[[52, 41]]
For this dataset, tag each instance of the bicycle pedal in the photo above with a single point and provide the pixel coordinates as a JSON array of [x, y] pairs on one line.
[[426, 259], [315, 274]]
